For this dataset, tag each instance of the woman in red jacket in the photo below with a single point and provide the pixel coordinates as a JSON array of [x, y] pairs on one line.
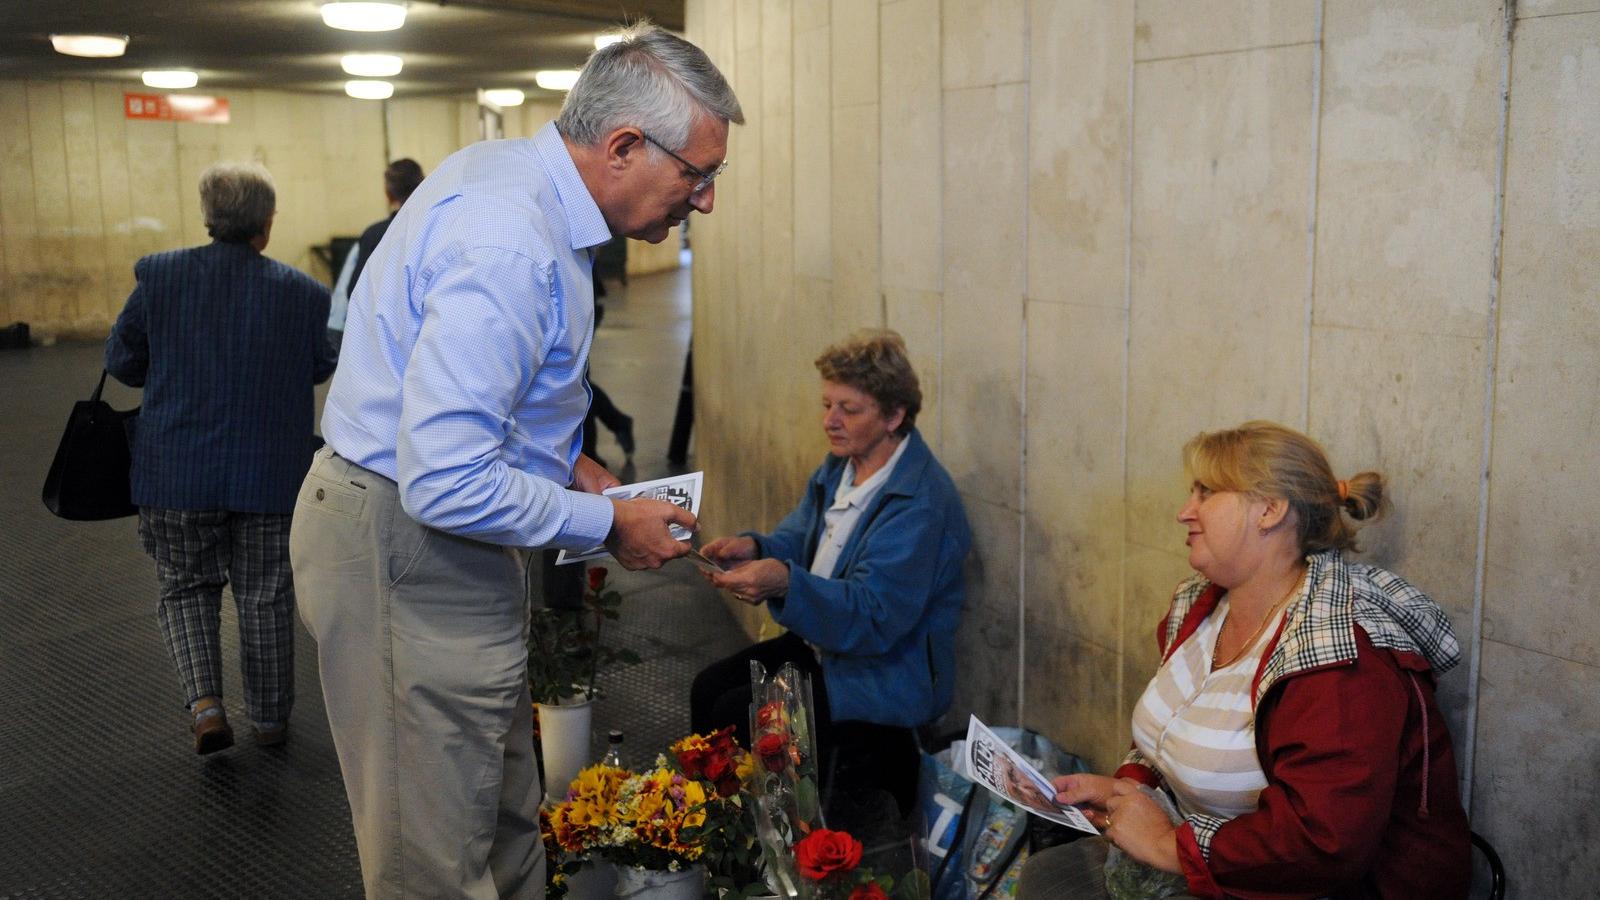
[[1293, 720]]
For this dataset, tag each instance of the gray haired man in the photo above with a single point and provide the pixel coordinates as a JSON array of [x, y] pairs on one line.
[[454, 434]]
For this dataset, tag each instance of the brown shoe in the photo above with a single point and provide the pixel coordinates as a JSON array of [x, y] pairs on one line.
[[272, 736], [211, 731]]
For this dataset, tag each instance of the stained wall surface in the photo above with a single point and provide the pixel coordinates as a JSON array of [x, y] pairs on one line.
[[1104, 227]]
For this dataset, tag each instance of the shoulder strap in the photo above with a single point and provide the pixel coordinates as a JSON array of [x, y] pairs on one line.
[[95, 397]]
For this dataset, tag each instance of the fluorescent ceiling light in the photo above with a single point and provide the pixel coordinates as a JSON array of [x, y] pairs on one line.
[[364, 16], [556, 79], [504, 96], [97, 46], [171, 79], [369, 90], [371, 65], [602, 41]]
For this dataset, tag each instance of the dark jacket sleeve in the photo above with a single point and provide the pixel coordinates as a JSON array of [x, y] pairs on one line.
[[1331, 746], [322, 356], [885, 593], [128, 346]]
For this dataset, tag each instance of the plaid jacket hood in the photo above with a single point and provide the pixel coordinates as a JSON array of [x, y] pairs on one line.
[[1319, 628]]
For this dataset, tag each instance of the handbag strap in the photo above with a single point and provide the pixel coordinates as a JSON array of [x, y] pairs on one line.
[[95, 397], [955, 840]]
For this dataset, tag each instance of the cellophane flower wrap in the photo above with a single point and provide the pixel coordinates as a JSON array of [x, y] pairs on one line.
[[787, 805]]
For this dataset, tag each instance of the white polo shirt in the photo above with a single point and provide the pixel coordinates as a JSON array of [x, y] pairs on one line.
[[849, 502]]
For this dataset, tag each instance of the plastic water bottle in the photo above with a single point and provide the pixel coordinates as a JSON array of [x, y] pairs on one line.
[[613, 755]]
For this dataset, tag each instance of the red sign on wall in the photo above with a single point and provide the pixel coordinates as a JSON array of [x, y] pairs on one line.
[[176, 108]]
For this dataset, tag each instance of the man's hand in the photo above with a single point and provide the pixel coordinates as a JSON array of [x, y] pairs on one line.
[[639, 538], [591, 477]]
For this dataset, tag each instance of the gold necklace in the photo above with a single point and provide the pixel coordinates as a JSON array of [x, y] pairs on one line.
[[1251, 641]]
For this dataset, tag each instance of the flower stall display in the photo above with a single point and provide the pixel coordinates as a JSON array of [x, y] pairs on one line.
[[829, 864], [636, 820], [787, 802]]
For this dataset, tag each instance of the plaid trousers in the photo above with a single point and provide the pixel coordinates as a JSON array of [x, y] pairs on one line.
[[196, 553]]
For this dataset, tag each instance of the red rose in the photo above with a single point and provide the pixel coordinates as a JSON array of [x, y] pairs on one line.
[[597, 578], [868, 891], [823, 852], [769, 714], [693, 762], [772, 750]]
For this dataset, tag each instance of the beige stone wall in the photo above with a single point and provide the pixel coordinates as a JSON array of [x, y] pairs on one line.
[[84, 192], [1103, 227]]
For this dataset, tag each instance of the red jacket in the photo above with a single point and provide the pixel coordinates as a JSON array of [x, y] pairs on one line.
[[1361, 798]]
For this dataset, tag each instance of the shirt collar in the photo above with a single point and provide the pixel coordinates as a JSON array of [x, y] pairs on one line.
[[584, 220], [858, 495]]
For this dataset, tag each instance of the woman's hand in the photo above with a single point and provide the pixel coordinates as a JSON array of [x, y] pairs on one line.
[[1141, 828], [1087, 792], [730, 550], [754, 582]]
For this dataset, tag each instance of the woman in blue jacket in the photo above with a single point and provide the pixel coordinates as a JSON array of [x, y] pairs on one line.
[[866, 575]]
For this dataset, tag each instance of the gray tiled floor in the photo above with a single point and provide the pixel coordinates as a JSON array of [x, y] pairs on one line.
[[100, 792]]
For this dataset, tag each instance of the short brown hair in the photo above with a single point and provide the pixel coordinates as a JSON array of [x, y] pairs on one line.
[[1265, 459], [874, 362]]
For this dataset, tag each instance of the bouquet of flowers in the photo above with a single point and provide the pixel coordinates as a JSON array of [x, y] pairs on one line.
[[731, 854], [787, 804], [643, 819]]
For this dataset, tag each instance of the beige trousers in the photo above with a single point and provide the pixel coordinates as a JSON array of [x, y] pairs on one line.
[[421, 640]]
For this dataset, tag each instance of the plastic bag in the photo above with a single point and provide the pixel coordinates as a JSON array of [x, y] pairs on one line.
[[1129, 879], [974, 842]]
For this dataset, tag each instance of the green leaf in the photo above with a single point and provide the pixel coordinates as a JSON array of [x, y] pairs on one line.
[[805, 792]]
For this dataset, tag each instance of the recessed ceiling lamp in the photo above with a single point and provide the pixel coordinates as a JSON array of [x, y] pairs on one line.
[[556, 79], [171, 79], [95, 46], [364, 16], [371, 65], [369, 90], [602, 41], [504, 96]]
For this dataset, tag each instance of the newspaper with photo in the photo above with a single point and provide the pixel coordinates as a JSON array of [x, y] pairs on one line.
[[679, 490], [991, 762]]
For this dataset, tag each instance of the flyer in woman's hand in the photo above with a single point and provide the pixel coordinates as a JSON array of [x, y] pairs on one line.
[[992, 763], [679, 490]]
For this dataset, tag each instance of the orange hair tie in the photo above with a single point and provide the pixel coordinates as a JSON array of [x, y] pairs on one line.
[[1344, 489]]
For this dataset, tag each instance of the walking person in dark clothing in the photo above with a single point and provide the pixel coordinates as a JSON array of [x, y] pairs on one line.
[[400, 179], [227, 345]]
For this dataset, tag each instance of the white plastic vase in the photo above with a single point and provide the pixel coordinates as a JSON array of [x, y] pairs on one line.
[[597, 880], [659, 884], [564, 736]]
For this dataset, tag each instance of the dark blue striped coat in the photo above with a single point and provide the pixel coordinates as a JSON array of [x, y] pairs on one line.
[[227, 345]]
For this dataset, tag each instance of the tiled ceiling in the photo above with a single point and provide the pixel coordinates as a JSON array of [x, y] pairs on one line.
[[448, 47]]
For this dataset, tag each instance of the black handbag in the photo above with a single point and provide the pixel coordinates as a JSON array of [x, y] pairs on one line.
[[88, 478]]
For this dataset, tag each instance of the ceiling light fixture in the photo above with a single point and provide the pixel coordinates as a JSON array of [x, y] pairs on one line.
[[371, 65], [94, 46], [556, 79], [369, 90], [170, 79], [364, 16], [504, 96], [602, 41]]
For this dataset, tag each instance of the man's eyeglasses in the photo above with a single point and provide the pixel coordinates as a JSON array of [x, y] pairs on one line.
[[705, 177]]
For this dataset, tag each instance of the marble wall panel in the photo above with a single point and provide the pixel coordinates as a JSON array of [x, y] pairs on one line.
[[1533, 778], [83, 194], [17, 221], [989, 654], [984, 152], [857, 301], [855, 52], [1527, 9], [1070, 695], [1074, 470], [1538, 592], [811, 14], [1412, 410], [55, 285], [910, 149], [1220, 191], [813, 139], [984, 43], [1407, 166], [917, 316], [116, 222], [1175, 28], [1077, 152]]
